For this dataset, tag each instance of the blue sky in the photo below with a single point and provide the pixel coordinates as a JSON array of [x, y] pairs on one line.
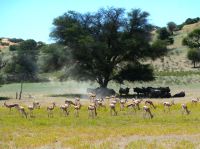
[[32, 19]]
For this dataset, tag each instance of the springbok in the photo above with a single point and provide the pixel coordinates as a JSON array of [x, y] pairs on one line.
[[10, 106], [92, 97], [147, 111], [32, 107], [77, 108], [168, 105], [112, 107], [100, 103], [137, 103], [21, 110], [65, 109], [195, 101], [122, 103], [150, 103], [92, 110], [185, 109], [50, 109]]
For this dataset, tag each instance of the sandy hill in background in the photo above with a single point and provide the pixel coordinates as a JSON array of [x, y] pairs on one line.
[[176, 60]]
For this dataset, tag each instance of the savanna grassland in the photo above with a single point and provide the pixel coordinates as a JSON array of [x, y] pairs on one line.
[[126, 130]]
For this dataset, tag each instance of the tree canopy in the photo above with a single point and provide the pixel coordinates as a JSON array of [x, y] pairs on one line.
[[171, 27], [193, 39], [193, 42], [23, 65], [107, 44]]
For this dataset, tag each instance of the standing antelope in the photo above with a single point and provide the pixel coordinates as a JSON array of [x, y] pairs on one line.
[[168, 105], [92, 110], [77, 108], [32, 107], [112, 107], [10, 106], [185, 109], [50, 109], [92, 97], [147, 110], [150, 103], [21, 110], [65, 109], [122, 103]]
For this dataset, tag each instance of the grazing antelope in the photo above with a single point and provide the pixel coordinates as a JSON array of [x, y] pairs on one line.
[[10, 106], [21, 110], [122, 103], [185, 109], [194, 101], [32, 107], [50, 109], [77, 108], [132, 105], [168, 105], [100, 103], [65, 109], [92, 110], [150, 103], [147, 110], [69, 102]]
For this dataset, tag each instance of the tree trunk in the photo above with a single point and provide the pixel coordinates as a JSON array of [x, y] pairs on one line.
[[194, 64], [104, 83], [20, 93]]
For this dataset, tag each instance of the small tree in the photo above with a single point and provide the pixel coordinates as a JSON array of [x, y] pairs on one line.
[[193, 42], [171, 27], [163, 33], [194, 56], [193, 39], [23, 65]]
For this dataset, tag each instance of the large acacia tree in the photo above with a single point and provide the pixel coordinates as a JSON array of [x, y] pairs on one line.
[[107, 45]]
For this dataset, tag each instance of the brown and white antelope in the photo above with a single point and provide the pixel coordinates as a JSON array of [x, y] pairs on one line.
[[195, 101], [92, 97], [137, 103], [21, 110], [32, 107], [150, 103], [77, 108], [92, 110], [100, 103], [147, 112], [122, 104], [10, 106], [50, 109], [185, 109], [168, 105], [112, 107], [65, 109]]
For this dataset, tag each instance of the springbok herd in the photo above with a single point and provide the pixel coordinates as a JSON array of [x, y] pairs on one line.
[[96, 103]]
